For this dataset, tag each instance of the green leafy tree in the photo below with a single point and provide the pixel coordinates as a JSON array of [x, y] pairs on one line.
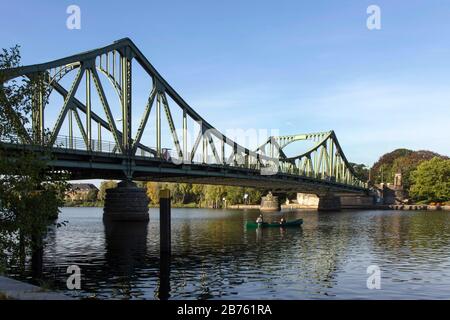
[[109, 184], [15, 98], [198, 193], [177, 193], [402, 161], [431, 181], [254, 195], [382, 170], [214, 195], [30, 191], [408, 164], [186, 191], [234, 195], [361, 171], [92, 195]]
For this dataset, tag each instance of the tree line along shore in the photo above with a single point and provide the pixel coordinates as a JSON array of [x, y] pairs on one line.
[[425, 178]]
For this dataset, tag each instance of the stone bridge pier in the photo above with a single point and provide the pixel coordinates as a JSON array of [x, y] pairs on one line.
[[329, 202], [334, 202], [321, 202], [127, 202]]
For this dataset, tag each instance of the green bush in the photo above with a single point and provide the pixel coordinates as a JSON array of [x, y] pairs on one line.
[[431, 181]]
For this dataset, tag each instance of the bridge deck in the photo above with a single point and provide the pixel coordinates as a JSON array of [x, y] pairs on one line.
[[83, 164]]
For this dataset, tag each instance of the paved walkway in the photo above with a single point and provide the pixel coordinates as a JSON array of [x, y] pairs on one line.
[[18, 290]]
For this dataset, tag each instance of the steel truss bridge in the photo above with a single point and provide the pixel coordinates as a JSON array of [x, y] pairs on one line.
[[134, 153]]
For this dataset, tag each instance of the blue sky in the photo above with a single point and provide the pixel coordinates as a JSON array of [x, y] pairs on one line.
[[294, 66]]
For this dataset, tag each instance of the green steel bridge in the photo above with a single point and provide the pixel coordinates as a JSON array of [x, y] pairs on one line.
[[94, 137]]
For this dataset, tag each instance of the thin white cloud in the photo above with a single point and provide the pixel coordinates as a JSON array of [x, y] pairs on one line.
[[370, 117]]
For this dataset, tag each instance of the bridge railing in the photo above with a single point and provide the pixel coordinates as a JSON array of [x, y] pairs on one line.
[[65, 142], [252, 163], [169, 155], [69, 143]]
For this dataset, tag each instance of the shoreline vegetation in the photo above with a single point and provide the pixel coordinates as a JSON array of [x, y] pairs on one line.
[[425, 180], [406, 207], [184, 195], [100, 204]]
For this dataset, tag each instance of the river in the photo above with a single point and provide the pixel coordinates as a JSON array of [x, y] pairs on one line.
[[215, 257]]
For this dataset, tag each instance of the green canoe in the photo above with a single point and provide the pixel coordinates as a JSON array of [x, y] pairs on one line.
[[294, 223]]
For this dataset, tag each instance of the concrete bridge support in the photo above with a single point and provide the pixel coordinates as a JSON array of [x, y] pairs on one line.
[[270, 203], [127, 202], [358, 201], [329, 202]]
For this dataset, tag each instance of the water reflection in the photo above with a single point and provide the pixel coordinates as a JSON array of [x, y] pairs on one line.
[[125, 243], [126, 247], [37, 256], [164, 277], [215, 256]]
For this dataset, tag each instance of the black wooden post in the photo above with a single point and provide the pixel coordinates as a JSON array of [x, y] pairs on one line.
[[164, 276], [164, 221]]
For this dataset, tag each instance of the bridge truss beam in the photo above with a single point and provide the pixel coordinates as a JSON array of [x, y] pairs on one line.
[[325, 162]]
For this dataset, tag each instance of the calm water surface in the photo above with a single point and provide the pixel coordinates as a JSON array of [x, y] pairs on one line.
[[215, 257]]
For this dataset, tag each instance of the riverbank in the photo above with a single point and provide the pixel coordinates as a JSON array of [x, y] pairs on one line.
[[417, 207], [374, 207], [100, 204], [87, 204], [11, 289], [292, 206]]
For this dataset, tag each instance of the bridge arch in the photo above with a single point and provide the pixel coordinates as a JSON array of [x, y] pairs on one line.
[[325, 164]]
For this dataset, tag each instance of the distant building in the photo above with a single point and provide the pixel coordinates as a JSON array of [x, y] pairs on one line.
[[82, 192], [393, 193]]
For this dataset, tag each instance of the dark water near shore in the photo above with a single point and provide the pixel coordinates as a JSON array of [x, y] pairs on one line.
[[216, 257]]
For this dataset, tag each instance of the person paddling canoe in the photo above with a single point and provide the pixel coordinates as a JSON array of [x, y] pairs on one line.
[[259, 220]]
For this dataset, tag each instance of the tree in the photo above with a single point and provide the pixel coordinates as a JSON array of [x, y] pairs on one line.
[[30, 191], [382, 170], [402, 161], [186, 191], [431, 181], [214, 195], [109, 184], [254, 195], [92, 195], [361, 171], [198, 193], [176, 192], [234, 195], [153, 192], [15, 97]]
